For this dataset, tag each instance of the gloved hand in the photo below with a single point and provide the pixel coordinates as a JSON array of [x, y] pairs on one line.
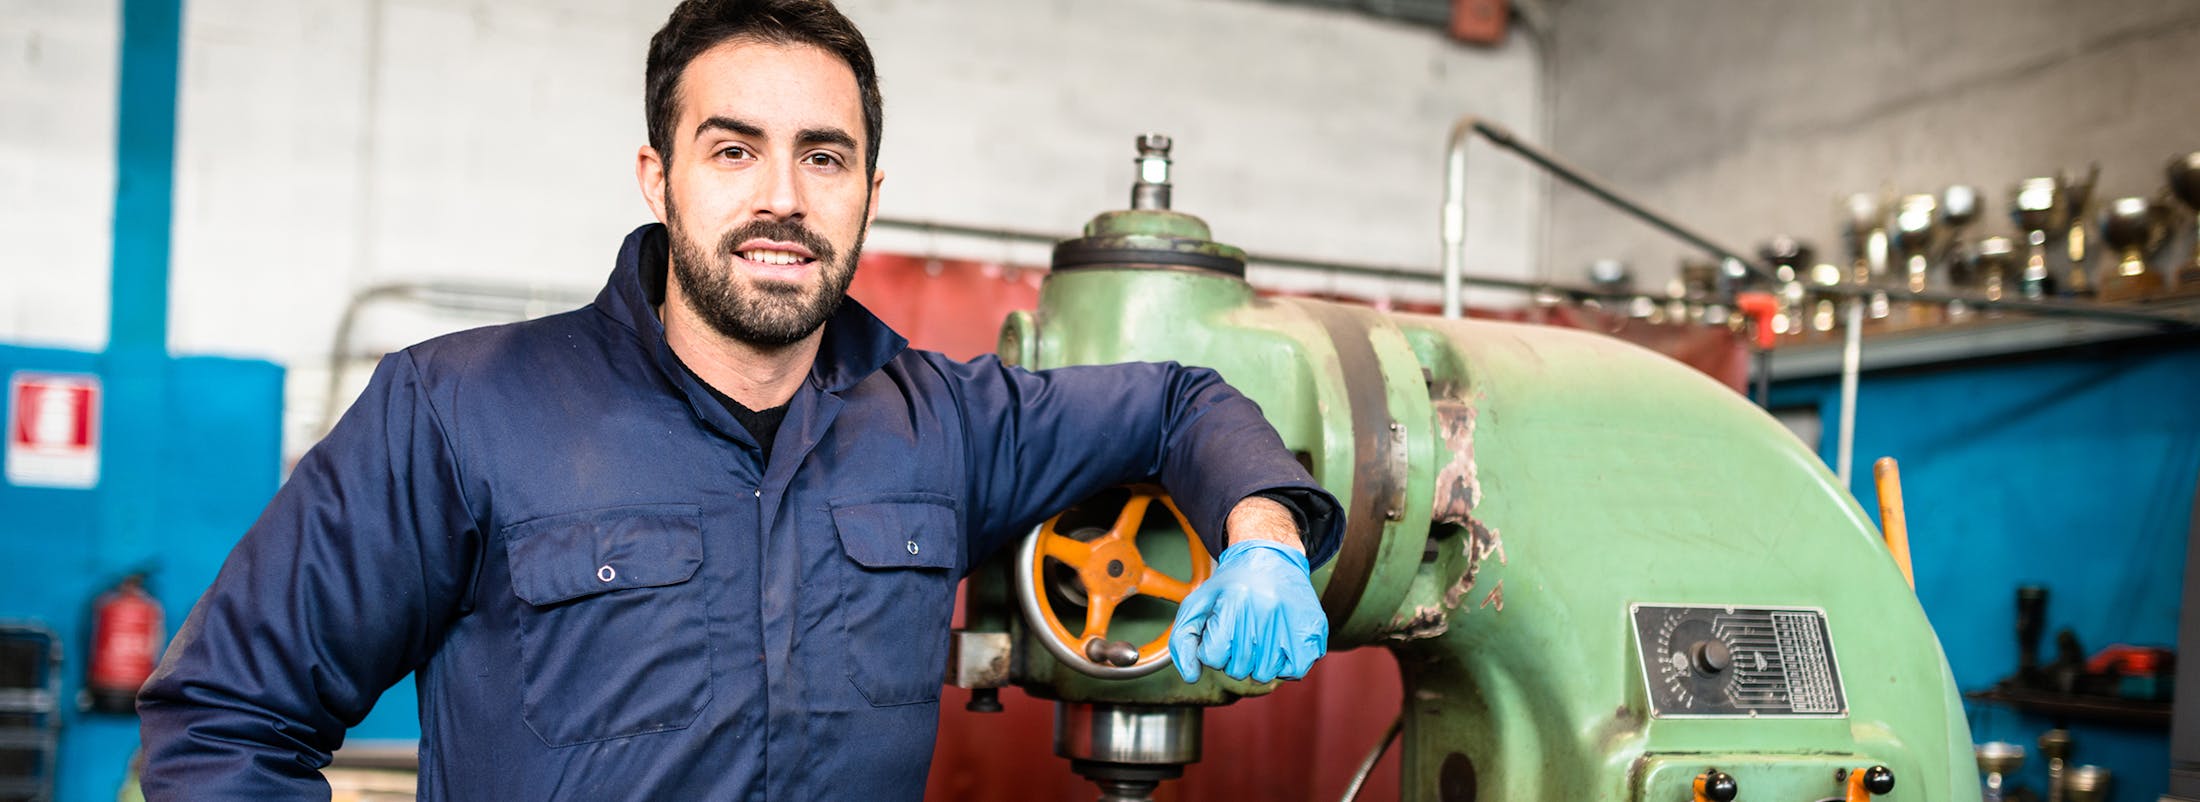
[[1256, 616]]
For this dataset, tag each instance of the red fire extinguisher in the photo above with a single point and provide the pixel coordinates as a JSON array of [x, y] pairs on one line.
[[126, 631]]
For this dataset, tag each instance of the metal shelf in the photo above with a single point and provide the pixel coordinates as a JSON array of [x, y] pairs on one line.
[[2098, 709], [26, 700], [27, 738], [1983, 338]]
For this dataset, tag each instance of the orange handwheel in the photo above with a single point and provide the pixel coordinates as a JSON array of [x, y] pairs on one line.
[[1111, 570]]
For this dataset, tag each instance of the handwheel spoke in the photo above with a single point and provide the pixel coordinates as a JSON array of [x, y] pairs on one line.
[[1133, 514], [1162, 586], [1073, 552], [1098, 611]]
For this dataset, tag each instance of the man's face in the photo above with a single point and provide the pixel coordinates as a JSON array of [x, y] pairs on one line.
[[765, 195]]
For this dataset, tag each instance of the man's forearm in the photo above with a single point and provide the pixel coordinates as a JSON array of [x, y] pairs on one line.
[[1259, 518]]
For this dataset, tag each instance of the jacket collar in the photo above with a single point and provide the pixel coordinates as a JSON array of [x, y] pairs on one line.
[[856, 343]]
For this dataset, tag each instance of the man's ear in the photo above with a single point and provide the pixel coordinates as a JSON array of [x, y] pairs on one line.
[[649, 172], [878, 178]]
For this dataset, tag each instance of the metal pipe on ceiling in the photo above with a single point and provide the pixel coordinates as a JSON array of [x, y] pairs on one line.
[[1358, 269], [482, 298], [1574, 292]]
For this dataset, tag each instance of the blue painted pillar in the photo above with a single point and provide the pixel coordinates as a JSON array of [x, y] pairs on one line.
[[134, 414], [136, 363], [145, 169]]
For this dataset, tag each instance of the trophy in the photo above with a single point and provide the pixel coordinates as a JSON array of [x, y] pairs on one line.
[[1865, 229], [1789, 257], [1699, 286], [2184, 182], [2077, 194], [2055, 746], [1916, 227], [1998, 760], [1825, 310], [1958, 210], [1916, 242], [2087, 783], [1993, 266], [2036, 205], [1674, 308], [1615, 281], [2132, 228], [1611, 276]]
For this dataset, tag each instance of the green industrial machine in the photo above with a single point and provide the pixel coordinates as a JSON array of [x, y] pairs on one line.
[[1604, 575]]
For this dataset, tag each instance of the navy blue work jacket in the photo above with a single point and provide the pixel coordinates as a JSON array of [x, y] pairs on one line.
[[605, 595]]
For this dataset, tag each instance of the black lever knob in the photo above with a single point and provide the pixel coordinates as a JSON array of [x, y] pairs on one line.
[[1879, 780], [1717, 786]]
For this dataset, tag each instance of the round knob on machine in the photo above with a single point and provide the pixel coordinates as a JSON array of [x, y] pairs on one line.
[[1717, 786], [1879, 780], [1711, 656], [984, 700], [1111, 652]]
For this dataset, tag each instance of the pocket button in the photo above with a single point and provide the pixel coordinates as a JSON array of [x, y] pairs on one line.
[[912, 547], [606, 574]]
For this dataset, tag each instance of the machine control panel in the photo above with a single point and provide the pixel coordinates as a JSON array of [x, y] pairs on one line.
[[1738, 662]]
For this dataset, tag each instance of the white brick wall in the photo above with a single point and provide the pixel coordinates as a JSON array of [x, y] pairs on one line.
[[328, 145], [57, 169]]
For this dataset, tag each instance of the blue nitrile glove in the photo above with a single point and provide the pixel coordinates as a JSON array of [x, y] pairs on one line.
[[1256, 616]]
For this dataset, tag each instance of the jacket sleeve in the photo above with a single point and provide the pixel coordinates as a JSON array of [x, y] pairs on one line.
[[1040, 441], [344, 585]]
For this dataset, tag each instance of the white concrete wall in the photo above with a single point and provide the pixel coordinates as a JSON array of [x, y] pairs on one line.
[[332, 144], [58, 62], [1747, 119], [1298, 131]]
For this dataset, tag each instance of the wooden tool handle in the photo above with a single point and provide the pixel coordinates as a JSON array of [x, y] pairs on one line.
[[1891, 520]]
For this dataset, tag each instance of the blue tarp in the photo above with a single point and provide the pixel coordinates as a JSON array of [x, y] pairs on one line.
[[2073, 471]]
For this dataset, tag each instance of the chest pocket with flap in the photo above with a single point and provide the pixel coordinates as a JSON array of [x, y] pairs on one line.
[[613, 640], [897, 593]]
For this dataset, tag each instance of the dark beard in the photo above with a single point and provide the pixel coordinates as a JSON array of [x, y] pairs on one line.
[[764, 314]]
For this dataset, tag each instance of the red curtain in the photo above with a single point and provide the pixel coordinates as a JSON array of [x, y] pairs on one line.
[[950, 306], [1302, 742]]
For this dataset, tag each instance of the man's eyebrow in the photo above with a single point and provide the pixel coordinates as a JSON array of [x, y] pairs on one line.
[[825, 136], [737, 127]]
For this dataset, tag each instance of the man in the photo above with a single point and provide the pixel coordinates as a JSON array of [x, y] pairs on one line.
[[699, 540]]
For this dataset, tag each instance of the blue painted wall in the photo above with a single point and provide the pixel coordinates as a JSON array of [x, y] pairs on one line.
[[217, 461], [2074, 471]]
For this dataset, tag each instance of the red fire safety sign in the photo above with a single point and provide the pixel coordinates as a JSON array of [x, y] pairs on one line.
[[53, 430]]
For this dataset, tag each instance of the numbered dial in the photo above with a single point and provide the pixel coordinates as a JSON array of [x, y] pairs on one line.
[[1738, 662]]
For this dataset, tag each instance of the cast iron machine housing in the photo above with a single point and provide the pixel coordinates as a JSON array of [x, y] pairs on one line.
[[1604, 575]]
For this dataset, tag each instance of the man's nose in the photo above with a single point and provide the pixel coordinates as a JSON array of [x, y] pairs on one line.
[[780, 195]]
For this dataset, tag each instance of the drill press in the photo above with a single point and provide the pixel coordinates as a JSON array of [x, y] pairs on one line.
[[1604, 575]]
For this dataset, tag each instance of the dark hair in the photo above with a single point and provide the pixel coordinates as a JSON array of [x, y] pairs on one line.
[[699, 25]]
